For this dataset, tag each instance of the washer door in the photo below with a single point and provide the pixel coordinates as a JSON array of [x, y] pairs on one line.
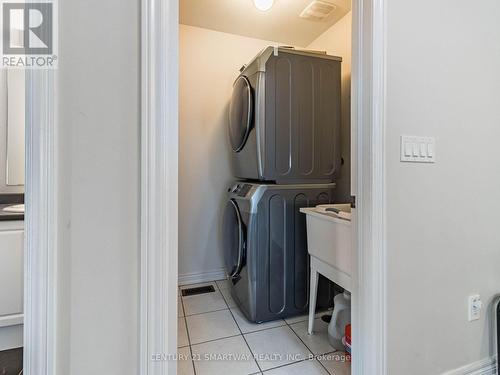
[[234, 239], [240, 113]]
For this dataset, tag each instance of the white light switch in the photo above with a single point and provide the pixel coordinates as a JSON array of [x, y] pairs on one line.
[[407, 149], [430, 150], [423, 150], [418, 149], [415, 149]]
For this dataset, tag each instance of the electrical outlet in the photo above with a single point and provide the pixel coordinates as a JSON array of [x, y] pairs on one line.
[[475, 306]]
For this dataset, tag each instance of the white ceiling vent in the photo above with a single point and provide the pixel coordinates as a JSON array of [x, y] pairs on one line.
[[318, 10]]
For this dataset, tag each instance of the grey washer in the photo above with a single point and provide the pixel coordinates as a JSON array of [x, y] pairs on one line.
[[284, 117], [265, 248]]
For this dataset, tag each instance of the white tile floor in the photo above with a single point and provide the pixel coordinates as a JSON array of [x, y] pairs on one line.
[[215, 338]]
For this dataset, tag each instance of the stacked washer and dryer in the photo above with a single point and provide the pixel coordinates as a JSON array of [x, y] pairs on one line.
[[284, 125]]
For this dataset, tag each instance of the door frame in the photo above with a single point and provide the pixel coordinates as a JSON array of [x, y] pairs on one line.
[[369, 300], [159, 186], [41, 228]]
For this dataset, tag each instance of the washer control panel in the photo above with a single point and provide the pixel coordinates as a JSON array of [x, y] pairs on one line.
[[241, 190]]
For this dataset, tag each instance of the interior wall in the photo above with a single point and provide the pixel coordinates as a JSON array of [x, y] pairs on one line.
[[209, 63], [337, 41], [4, 188], [99, 195], [443, 219]]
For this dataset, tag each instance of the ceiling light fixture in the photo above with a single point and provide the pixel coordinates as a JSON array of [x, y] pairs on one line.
[[263, 5]]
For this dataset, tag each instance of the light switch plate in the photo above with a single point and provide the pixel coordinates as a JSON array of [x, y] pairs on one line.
[[416, 149]]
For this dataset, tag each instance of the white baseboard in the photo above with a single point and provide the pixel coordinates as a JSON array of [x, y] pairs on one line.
[[202, 277], [486, 366]]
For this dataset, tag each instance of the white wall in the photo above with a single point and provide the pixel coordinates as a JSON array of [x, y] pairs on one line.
[[4, 115], [209, 63], [337, 41], [16, 124], [99, 158], [443, 220]]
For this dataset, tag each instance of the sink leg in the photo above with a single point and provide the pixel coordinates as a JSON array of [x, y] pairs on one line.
[[312, 299]]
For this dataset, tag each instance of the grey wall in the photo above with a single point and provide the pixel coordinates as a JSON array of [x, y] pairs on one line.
[[209, 64], [99, 158], [443, 60], [337, 42]]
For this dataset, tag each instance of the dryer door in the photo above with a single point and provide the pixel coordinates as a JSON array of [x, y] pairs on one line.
[[240, 113], [234, 239]]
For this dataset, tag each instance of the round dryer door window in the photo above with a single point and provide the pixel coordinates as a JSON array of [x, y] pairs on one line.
[[240, 113], [234, 239]]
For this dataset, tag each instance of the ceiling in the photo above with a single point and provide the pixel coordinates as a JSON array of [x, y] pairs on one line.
[[280, 24]]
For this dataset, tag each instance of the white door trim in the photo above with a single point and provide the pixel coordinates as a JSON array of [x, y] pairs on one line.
[[40, 264], [368, 114], [159, 184]]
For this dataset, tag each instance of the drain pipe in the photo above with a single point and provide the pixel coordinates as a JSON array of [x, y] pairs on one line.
[[496, 331]]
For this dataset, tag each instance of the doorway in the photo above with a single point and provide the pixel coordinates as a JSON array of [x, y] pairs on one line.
[[12, 189], [219, 54], [30, 239], [368, 120]]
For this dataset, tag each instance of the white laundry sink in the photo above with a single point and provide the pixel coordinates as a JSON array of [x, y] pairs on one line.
[[329, 240]]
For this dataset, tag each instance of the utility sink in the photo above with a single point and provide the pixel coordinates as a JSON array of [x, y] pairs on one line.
[[329, 240]]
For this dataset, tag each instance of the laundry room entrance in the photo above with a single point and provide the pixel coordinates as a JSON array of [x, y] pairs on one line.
[[265, 187]]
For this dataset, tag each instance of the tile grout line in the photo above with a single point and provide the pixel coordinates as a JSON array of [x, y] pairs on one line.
[[329, 353], [188, 336], [314, 355], [260, 330], [206, 312], [289, 325], [304, 360], [266, 329], [213, 340], [243, 336], [217, 289], [239, 334], [294, 362], [187, 329], [246, 342], [285, 365]]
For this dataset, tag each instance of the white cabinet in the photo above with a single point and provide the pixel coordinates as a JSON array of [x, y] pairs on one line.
[[11, 272], [11, 283]]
